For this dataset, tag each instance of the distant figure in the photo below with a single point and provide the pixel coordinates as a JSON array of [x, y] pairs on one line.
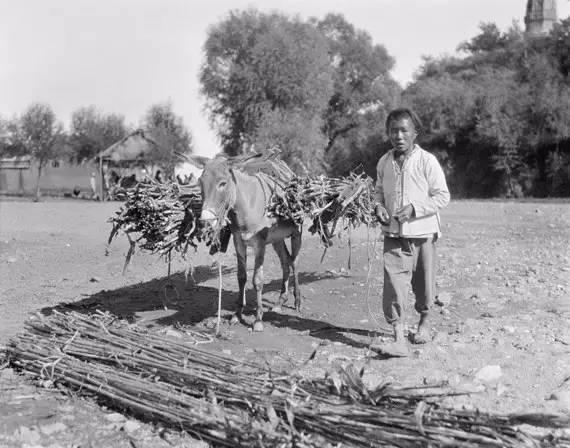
[[76, 192], [93, 182], [158, 176], [113, 178]]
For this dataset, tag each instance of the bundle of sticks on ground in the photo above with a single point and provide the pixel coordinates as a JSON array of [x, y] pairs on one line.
[[231, 403]]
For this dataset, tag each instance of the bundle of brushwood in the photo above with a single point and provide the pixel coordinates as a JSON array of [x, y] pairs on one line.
[[326, 202], [160, 218], [233, 403]]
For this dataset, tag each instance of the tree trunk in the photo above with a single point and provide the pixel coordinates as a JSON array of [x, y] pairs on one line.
[[40, 166], [338, 133], [101, 180]]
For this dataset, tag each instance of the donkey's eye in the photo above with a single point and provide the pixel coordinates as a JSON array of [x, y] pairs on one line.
[[222, 184]]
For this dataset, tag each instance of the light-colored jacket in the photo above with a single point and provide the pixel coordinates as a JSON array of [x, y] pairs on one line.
[[420, 182]]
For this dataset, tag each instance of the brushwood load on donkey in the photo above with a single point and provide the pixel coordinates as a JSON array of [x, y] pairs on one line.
[[255, 198]]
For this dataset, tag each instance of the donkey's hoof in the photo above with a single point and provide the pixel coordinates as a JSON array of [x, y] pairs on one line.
[[277, 309], [234, 320], [258, 325]]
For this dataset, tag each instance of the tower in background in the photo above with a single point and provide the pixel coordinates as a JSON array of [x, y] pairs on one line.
[[540, 16]]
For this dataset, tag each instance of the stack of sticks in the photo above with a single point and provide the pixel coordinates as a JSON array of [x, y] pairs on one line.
[[326, 202], [163, 217], [160, 217], [234, 403]]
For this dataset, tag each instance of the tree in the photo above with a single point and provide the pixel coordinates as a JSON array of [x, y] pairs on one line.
[[326, 81], [169, 133], [42, 136], [499, 114], [10, 142], [362, 81], [262, 64], [297, 134], [489, 39], [92, 132], [4, 135], [561, 38]]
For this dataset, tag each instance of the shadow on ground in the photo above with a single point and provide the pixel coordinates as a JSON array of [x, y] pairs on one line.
[[178, 300]]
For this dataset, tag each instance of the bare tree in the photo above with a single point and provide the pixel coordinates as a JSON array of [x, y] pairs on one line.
[[42, 136]]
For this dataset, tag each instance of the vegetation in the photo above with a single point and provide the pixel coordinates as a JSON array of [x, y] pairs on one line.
[[311, 87], [267, 78], [498, 117], [496, 114], [167, 129], [39, 134], [92, 132]]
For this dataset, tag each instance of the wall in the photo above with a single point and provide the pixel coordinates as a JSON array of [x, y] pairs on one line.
[[55, 179]]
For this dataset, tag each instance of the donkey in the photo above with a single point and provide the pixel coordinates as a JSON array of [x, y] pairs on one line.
[[228, 189]]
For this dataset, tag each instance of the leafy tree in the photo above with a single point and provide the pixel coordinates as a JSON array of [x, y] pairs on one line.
[[561, 42], [11, 144], [3, 138], [170, 134], [558, 173], [41, 135], [325, 80], [92, 132], [362, 82], [499, 114], [490, 39], [297, 134], [258, 64]]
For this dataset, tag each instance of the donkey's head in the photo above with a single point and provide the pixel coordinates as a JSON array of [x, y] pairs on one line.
[[217, 187], [218, 190], [217, 183]]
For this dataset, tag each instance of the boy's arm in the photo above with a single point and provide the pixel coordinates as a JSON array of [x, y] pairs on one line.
[[438, 194]]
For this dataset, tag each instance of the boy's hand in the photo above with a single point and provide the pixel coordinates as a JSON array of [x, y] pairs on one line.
[[405, 213], [382, 214]]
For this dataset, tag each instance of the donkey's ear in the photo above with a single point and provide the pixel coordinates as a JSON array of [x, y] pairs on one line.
[[197, 161], [243, 158]]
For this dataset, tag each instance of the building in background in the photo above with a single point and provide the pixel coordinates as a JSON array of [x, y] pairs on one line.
[[540, 17]]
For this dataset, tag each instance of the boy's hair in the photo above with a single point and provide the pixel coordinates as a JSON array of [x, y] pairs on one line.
[[404, 112]]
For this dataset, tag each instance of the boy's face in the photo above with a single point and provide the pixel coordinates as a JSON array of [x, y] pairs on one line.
[[402, 134]]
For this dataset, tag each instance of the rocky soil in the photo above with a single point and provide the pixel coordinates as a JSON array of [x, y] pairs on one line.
[[501, 327]]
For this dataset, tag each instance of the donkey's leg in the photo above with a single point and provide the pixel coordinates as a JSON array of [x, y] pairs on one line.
[[259, 250], [296, 239], [241, 255], [285, 259]]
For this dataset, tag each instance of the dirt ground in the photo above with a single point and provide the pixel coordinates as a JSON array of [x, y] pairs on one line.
[[503, 330]]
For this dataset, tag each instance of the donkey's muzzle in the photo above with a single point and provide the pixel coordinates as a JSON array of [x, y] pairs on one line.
[[208, 217]]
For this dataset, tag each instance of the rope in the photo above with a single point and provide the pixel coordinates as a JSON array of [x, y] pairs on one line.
[[219, 296]]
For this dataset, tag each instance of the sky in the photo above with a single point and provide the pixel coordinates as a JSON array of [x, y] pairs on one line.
[[125, 55]]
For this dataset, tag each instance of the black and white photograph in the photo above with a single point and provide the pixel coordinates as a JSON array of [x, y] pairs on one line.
[[289, 224]]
